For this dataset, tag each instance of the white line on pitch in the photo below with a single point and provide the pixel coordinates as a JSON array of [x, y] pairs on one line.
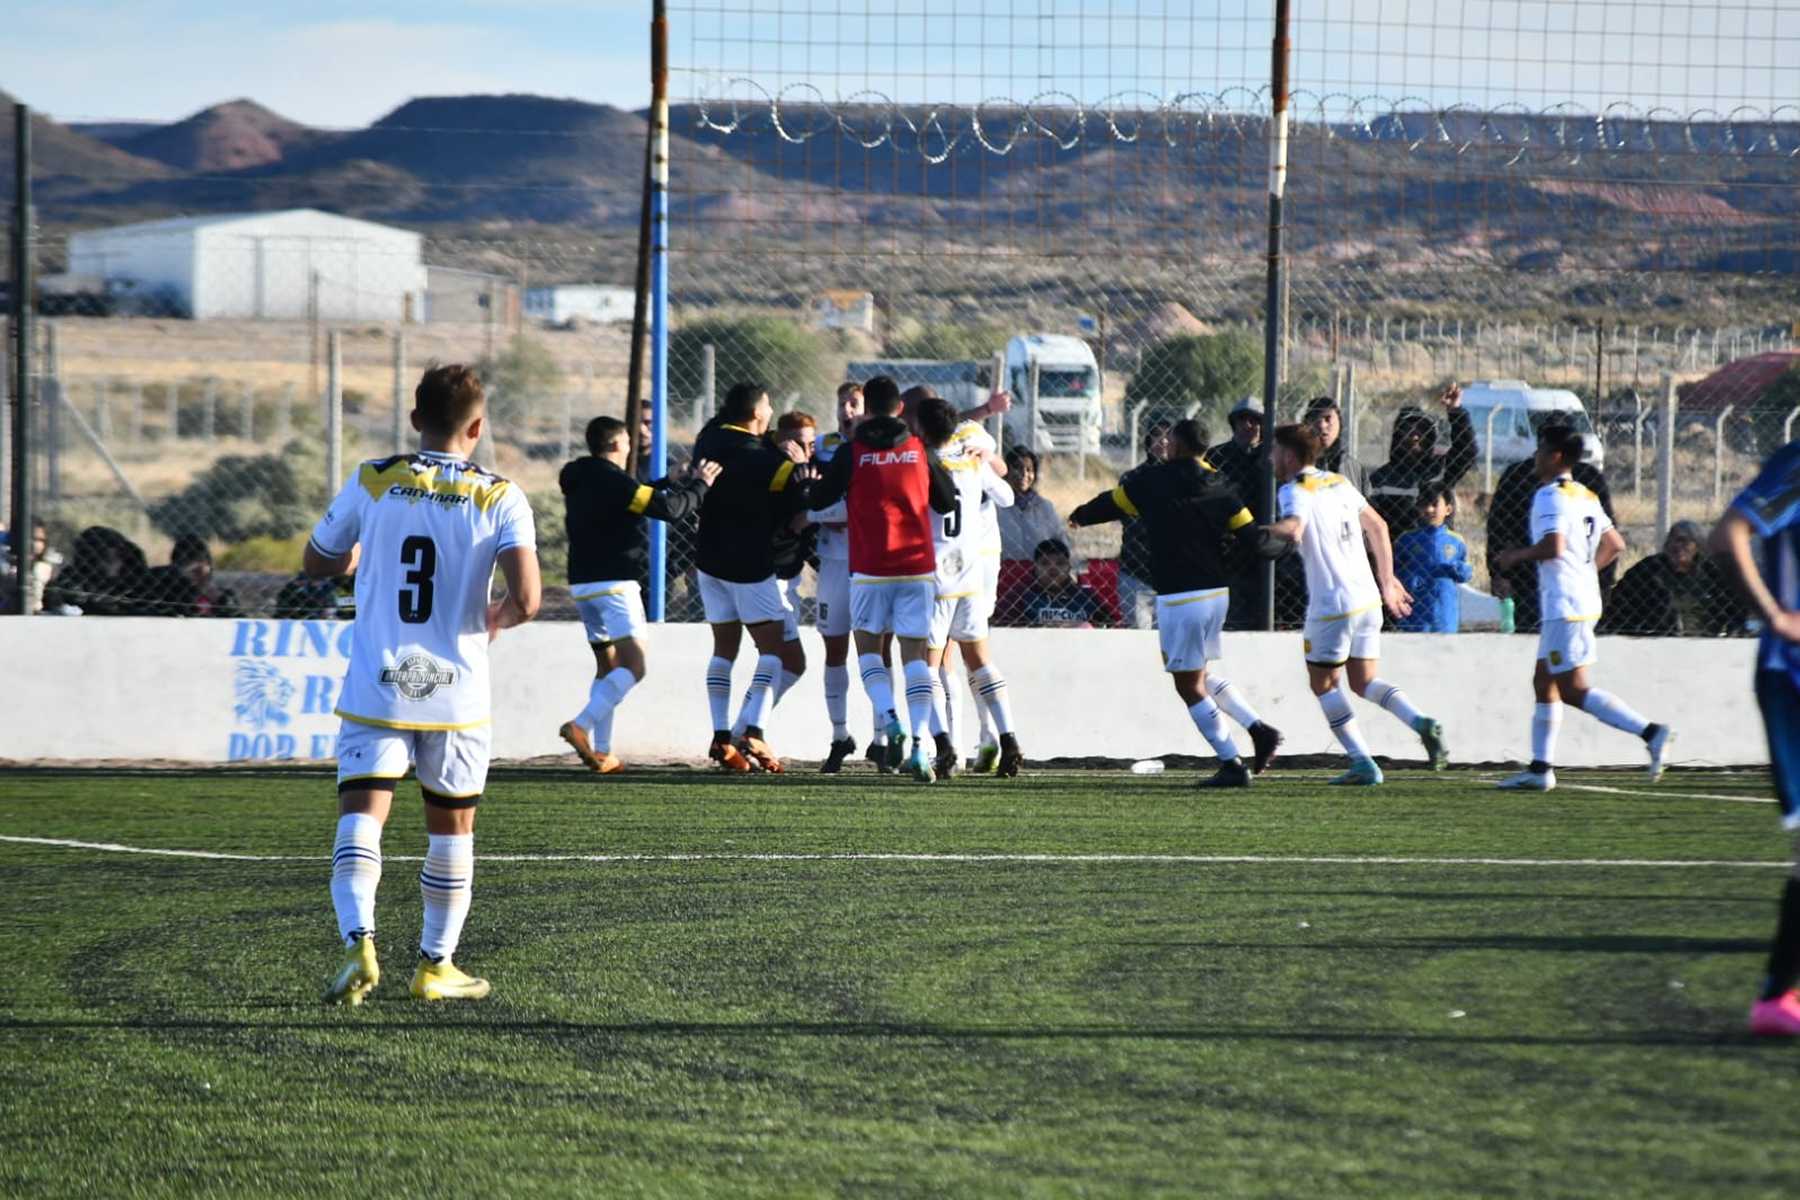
[[1664, 795], [931, 857]]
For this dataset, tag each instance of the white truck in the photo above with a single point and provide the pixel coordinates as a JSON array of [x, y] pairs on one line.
[[1508, 412], [1064, 414]]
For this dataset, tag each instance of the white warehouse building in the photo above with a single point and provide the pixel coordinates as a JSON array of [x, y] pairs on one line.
[[261, 265]]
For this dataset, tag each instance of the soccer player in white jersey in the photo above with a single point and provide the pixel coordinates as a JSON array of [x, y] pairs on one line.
[[961, 611], [1573, 541], [833, 610], [1337, 533], [423, 532]]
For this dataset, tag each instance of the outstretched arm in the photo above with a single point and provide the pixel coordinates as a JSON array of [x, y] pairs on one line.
[[1112, 505], [834, 484]]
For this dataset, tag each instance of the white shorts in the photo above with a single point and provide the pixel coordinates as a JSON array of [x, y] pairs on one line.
[[453, 763], [990, 583], [1334, 641], [901, 604], [1188, 625], [750, 603], [610, 611], [790, 624], [1565, 645], [833, 616], [959, 618]]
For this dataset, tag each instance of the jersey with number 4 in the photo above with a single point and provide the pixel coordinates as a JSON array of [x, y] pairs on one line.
[[1569, 585], [1339, 581], [431, 527]]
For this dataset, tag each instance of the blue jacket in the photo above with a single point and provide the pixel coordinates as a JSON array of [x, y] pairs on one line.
[[1431, 561]]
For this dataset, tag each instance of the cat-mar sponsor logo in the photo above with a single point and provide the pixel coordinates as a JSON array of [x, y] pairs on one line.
[[418, 677]]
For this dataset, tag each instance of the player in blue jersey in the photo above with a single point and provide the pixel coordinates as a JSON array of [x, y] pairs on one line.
[[1770, 509]]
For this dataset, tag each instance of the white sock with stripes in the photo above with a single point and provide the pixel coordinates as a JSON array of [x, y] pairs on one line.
[[918, 696], [952, 694], [756, 700], [718, 691], [1211, 724], [880, 686], [355, 873], [990, 686], [1343, 723], [1231, 699], [1390, 697], [446, 882], [837, 700]]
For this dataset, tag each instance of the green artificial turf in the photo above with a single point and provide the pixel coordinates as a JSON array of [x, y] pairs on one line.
[[731, 1025]]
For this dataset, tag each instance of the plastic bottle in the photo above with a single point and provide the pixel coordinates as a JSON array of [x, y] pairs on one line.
[[1148, 766], [1506, 615]]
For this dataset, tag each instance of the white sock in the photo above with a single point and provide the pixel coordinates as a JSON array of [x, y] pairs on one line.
[[918, 696], [952, 697], [1385, 694], [990, 686], [837, 700], [784, 684], [1211, 724], [1546, 720], [1609, 709], [355, 873], [1343, 723], [880, 686], [600, 736], [718, 691], [762, 682], [605, 695], [446, 882], [935, 721], [1232, 700]]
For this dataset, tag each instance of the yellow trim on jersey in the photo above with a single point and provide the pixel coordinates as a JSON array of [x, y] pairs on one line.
[[617, 590], [1123, 502], [415, 726], [1206, 466], [1345, 616], [960, 464], [780, 479], [1239, 519], [958, 595], [737, 429], [874, 579], [1575, 620], [1569, 487], [1312, 481], [1211, 594], [403, 474], [640, 500]]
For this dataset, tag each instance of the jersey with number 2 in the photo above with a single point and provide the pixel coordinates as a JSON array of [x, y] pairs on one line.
[[431, 526], [1569, 585]]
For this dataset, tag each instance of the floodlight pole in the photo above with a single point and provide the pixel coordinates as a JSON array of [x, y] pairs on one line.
[[1273, 331], [659, 293], [20, 526]]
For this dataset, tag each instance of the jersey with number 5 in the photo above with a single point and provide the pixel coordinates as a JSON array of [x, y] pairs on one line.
[[1569, 584], [431, 526], [1339, 582], [958, 535]]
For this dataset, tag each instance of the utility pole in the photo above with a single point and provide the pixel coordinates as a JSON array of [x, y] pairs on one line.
[[22, 289], [1274, 328]]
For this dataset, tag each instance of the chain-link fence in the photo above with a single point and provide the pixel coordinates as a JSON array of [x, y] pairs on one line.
[[1093, 248]]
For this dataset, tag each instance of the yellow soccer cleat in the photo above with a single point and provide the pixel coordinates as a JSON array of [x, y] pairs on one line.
[[443, 981], [359, 974]]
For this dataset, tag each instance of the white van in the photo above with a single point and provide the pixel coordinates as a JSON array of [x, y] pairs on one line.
[[1068, 407], [1517, 410]]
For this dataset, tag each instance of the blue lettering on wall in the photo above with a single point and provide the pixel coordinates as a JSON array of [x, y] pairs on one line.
[[319, 693]]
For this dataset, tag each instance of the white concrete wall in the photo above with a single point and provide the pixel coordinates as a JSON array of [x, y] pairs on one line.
[[212, 691]]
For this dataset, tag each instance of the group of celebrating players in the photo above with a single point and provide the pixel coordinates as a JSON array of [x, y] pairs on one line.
[[903, 497]]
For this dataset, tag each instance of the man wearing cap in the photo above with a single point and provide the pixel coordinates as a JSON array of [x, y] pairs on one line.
[[1239, 461]]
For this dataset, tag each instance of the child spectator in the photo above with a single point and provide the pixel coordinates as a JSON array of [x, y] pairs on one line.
[[1056, 598], [1431, 560]]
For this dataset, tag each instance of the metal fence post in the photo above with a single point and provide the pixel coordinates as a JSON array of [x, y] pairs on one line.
[[400, 438], [1350, 411], [23, 292], [209, 410], [50, 400], [1637, 445], [1787, 427], [5, 425], [997, 422], [709, 383], [1665, 467], [334, 413], [1719, 453], [1487, 442], [1031, 407]]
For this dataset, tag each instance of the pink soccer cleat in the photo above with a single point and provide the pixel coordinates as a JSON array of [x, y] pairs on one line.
[[1779, 1017]]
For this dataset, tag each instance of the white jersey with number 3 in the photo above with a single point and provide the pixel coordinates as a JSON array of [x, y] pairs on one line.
[[1339, 581], [1569, 585], [430, 526]]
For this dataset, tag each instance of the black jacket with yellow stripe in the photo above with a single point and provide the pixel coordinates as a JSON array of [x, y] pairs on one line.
[[1201, 535], [604, 512], [757, 490]]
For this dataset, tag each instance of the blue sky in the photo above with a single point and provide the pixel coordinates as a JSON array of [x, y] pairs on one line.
[[338, 63]]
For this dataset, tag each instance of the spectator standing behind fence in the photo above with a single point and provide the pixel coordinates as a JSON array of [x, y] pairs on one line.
[[1431, 561], [185, 588], [35, 577], [1509, 528], [1032, 519], [1240, 462], [1056, 599], [1415, 461], [106, 575], [1677, 593], [1137, 594], [1327, 420]]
